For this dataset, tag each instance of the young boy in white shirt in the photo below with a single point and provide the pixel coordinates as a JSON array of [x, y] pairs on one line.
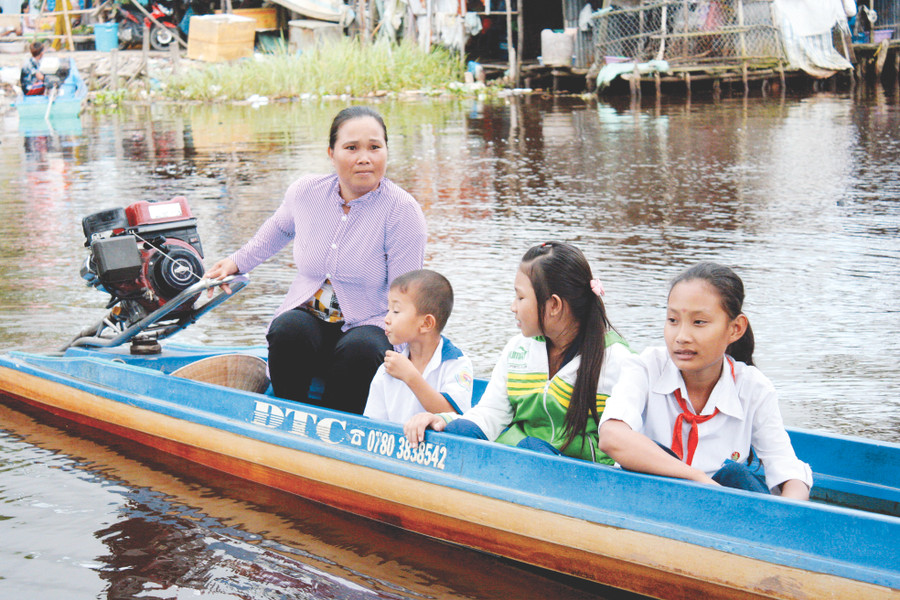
[[431, 374]]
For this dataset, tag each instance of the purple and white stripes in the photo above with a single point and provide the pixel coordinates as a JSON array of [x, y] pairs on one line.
[[361, 252]]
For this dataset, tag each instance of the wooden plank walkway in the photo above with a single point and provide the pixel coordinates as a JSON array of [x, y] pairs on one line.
[[97, 68]]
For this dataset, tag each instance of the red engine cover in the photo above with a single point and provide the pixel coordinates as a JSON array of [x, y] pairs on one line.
[[146, 213]]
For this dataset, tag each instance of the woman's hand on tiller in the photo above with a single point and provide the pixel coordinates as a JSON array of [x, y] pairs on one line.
[[220, 270]]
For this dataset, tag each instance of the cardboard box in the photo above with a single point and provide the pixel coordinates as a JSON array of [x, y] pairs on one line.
[[266, 18], [219, 38], [306, 34]]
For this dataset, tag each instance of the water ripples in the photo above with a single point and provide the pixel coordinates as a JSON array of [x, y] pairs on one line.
[[800, 196]]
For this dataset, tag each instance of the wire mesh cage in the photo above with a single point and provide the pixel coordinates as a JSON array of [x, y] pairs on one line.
[[888, 23], [689, 32]]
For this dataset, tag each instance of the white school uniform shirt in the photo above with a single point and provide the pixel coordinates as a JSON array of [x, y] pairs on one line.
[[449, 372], [644, 398]]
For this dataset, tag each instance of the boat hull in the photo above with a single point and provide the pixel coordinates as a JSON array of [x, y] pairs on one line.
[[323, 10], [453, 494], [67, 102], [34, 108]]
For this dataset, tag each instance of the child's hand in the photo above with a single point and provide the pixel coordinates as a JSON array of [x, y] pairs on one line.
[[399, 366], [414, 429]]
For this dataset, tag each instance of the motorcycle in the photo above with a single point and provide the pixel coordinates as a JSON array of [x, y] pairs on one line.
[[131, 25]]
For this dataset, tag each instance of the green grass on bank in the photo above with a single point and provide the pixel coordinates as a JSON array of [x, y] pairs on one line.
[[346, 67]]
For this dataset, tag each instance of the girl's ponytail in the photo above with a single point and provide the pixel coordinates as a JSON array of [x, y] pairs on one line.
[[562, 269], [592, 342]]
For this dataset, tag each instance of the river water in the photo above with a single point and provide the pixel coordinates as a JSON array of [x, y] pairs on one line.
[[800, 195]]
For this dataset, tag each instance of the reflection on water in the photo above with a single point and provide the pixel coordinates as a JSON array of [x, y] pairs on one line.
[[167, 527], [800, 195]]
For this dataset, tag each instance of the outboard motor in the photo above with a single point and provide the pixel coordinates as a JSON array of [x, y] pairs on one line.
[[143, 256], [148, 258], [55, 71]]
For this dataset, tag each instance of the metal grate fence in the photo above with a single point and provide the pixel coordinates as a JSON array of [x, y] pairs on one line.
[[888, 16], [689, 32]]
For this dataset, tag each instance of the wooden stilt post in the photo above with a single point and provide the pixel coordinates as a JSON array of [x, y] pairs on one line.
[[520, 46], [897, 75], [881, 57], [429, 14], [114, 69], [145, 54], [661, 54], [740, 15], [510, 47], [175, 53], [70, 44], [635, 82], [783, 78], [897, 68], [361, 18]]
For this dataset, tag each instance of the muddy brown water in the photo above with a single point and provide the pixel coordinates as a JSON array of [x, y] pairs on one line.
[[800, 195]]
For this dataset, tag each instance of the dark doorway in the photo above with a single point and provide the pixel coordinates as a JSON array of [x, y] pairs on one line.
[[539, 15]]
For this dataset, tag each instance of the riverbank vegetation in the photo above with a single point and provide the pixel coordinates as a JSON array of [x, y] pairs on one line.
[[348, 67]]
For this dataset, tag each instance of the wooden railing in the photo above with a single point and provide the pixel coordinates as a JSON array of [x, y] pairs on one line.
[[14, 20]]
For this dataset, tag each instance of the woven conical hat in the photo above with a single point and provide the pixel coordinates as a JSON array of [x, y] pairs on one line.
[[238, 371]]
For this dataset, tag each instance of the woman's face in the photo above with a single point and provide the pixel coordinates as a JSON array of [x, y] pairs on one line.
[[359, 156]]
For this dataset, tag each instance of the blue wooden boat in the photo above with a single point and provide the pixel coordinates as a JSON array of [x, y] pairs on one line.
[[655, 536], [65, 102]]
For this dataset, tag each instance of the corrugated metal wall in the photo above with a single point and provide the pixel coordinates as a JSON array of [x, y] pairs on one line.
[[584, 50]]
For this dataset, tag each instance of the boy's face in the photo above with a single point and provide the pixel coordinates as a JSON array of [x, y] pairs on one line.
[[403, 322]]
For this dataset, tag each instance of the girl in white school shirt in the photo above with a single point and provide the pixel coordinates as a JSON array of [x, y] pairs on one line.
[[693, 409]]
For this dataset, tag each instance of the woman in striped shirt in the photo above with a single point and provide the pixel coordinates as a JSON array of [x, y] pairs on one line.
[[352, 233]]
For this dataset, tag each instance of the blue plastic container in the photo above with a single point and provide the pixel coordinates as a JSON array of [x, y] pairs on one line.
[[106, 36]]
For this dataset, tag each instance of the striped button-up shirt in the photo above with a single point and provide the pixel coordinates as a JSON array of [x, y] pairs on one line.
[[361, 252]]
